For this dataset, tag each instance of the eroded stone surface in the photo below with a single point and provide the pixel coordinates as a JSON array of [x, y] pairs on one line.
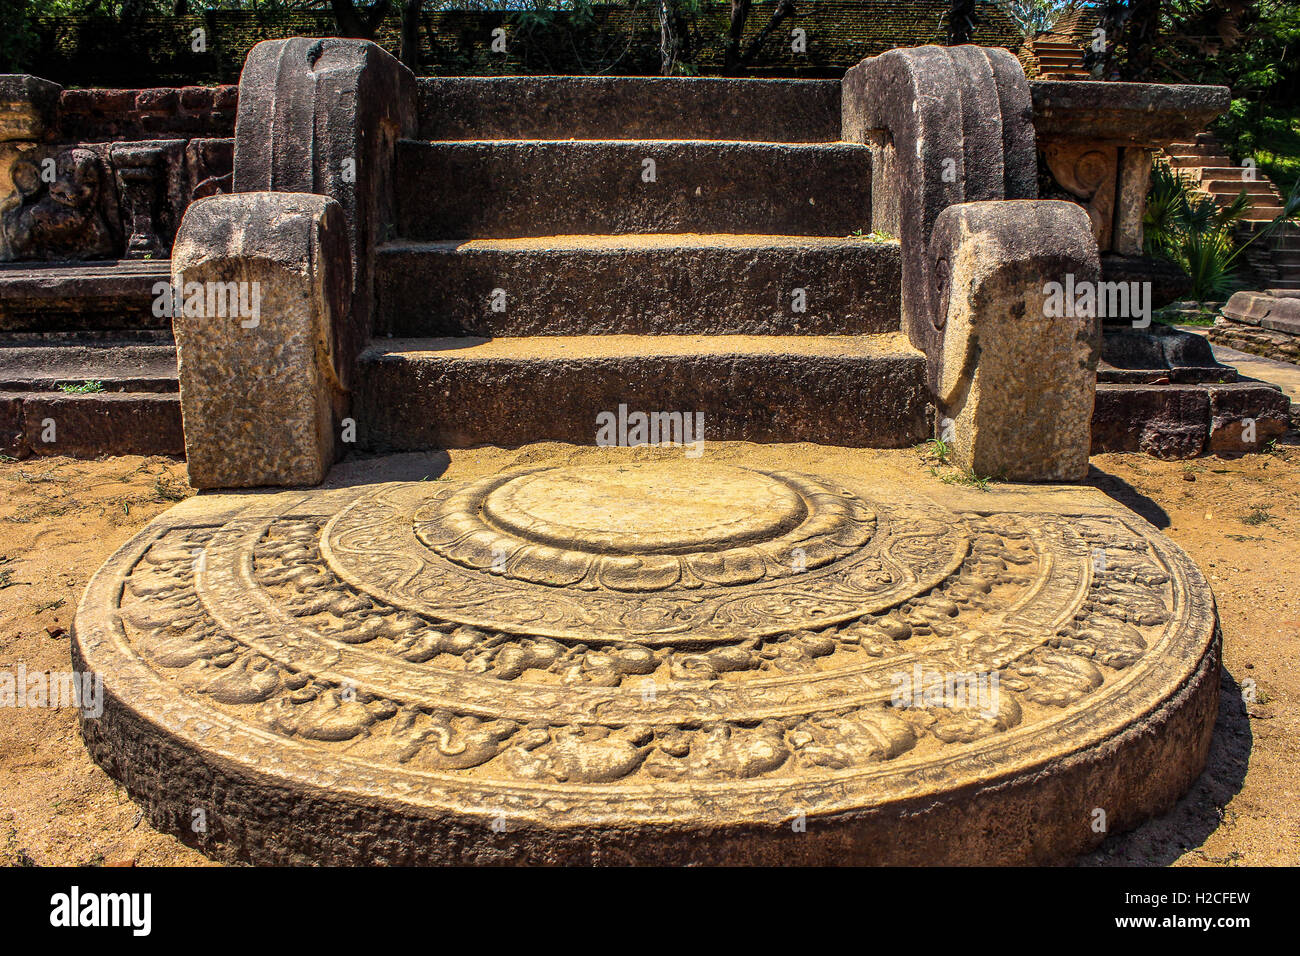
[[259, 374], [1015, 380], [517, 668]]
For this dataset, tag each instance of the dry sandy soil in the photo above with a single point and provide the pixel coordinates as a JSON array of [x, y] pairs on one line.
[[1239, 519]]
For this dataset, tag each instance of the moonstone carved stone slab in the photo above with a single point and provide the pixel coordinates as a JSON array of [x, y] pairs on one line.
[[649, 662]]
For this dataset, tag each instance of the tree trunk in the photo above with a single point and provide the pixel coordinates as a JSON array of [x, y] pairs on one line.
[[353, 23], [783, 10], [410, 49], [961, 22], [670, 39], [1140, 38], [735, 32], [1112, 23]]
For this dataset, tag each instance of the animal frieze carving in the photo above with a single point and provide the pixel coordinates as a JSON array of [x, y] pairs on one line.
[[59, 210]]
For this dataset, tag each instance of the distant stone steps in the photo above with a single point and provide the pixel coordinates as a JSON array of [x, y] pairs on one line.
[[496, 189], [1200, 161], [639, 284], [1232, 187], [1059, 60], [415, 394], [1212, 172]]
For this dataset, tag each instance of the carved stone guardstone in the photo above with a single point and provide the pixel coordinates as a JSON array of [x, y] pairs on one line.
[[650, 661], [324, 116], [952, 126], [947, 125], [60, 205], [263, 296], [1016, 374]]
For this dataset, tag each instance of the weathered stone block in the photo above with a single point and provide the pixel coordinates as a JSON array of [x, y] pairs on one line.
[[78, 101], [508, 189], [958, 128], [110, 423], [260, 392], [323, 116], [1265, 310], [29, 107], [1163, 421], [1246, 416], [115, 101], [225, 97], [157, 100], [197, 97], [1125, 114], [1015, 373]]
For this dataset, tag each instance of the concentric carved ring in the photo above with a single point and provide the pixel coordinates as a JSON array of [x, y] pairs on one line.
[[554, 552], [628, 528], [339, 676]]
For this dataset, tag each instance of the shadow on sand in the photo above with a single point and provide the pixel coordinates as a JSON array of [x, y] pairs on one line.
[[1186, 826]]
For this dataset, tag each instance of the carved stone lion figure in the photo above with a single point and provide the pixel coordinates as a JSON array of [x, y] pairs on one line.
[[65, 219]]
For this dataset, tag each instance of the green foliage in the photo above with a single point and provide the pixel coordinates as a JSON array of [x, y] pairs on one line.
[[1198, 234], [17, 41], [1037, 16], [1194, 232], [1252, 49], [1267, 133]]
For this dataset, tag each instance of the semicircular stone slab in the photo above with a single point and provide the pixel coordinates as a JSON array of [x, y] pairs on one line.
[[650, 662]]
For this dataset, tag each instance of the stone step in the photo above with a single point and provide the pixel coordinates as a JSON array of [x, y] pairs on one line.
[[116, 366], [639, 284], [1261, 206], [77, 296], [1263, 213], [628, 107], [1232, 187], [1227, 171], [90, 425], [1186, 162], [859, 391], [527, 188], [1287, 257], [1195, 149]]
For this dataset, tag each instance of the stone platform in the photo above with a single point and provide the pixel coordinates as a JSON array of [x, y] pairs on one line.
[[631, 657]]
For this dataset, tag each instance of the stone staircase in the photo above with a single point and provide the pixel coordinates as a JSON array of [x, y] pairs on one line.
[[1059, 60], [1207, 165], [604, 655], [709, 259], [81, 348]]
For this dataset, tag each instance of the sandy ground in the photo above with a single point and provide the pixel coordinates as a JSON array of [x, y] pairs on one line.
[[1239, 519]]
